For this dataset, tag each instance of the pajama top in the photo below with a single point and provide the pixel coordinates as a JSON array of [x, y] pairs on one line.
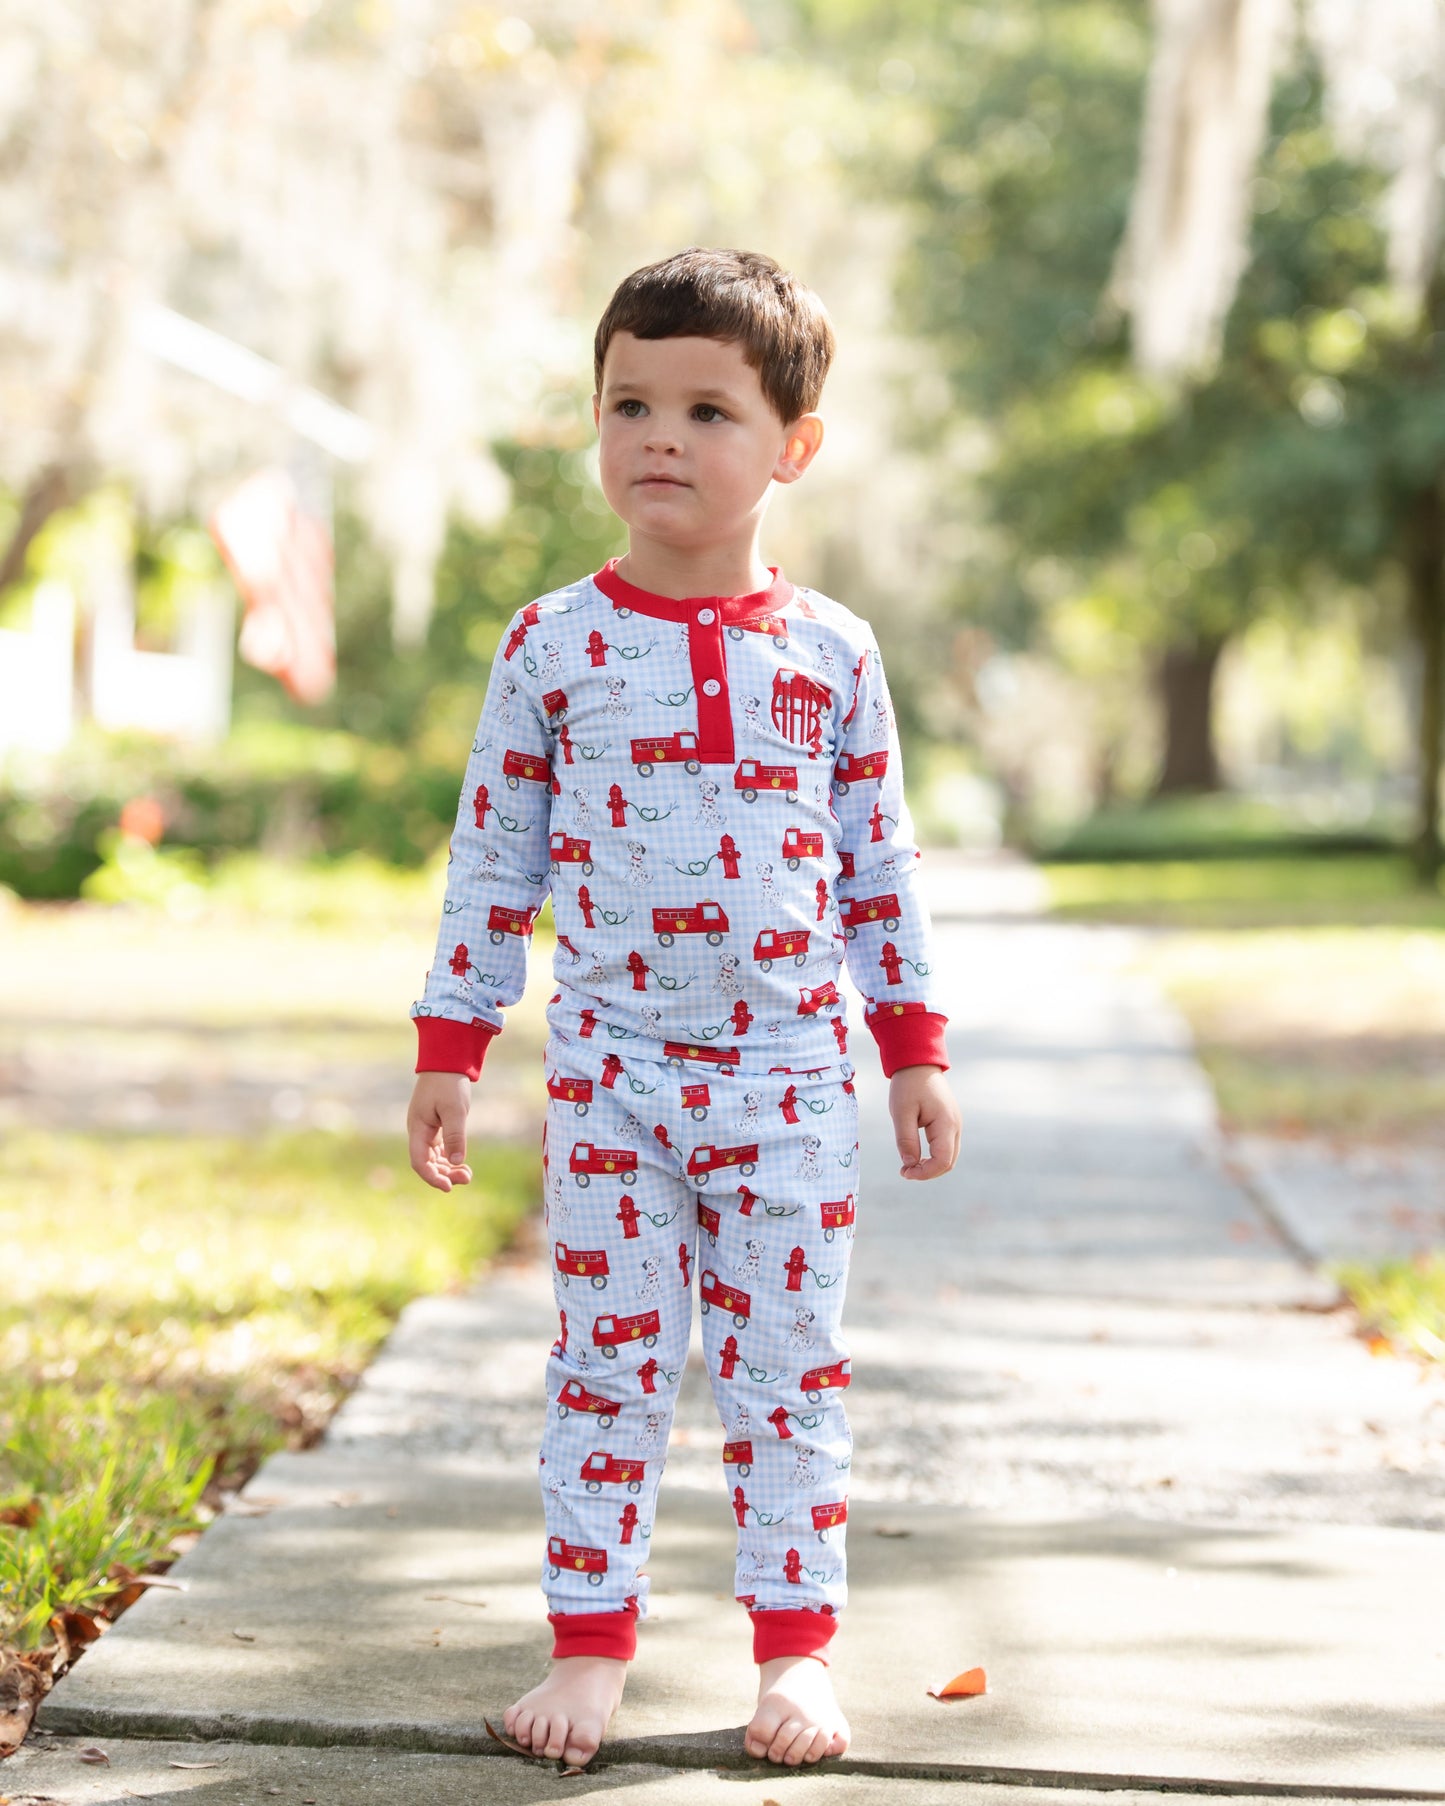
[[710, 789]]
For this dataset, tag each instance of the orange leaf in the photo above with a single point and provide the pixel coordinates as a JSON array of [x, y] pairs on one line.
[[962, 1685]]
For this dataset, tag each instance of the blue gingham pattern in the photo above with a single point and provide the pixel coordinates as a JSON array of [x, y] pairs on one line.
[[712, 901], [769, 1162]]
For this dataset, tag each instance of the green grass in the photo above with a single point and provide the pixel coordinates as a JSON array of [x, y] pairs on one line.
[[1347, 888], [1219, 825], [1327, 1030], [173, 1310], [1401, 1300]]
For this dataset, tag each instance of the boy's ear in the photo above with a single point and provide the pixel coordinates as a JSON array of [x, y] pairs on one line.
[[800, 447], [596, 410]]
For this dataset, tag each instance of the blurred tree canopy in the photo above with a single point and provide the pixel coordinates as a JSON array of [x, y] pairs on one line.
[[1130, 510]]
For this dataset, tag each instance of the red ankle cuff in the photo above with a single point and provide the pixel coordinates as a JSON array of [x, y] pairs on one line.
[[792, 1633], [595, 1633]]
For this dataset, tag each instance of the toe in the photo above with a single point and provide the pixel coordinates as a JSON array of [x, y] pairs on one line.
[[760, 1733], [839, 1741], [819, 1747], [785, 1737], [538, 1737], [557, 1729], [581, 1747]]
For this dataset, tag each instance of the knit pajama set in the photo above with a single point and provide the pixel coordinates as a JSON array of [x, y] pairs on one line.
[[710, 790]]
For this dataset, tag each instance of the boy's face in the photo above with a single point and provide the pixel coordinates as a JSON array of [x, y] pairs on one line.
[[691, 411]]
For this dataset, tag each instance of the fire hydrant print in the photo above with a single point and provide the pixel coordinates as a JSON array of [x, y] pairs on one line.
[[711, 792]]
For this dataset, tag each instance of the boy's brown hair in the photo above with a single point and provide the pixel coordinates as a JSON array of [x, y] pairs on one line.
[[741, 297]]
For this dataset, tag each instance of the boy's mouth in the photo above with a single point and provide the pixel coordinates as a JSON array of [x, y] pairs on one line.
[[661, 482]]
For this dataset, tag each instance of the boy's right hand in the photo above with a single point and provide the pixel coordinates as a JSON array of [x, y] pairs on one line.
[[436, 1128]]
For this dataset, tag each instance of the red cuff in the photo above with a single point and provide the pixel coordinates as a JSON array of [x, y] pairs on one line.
[[909, 1040], [792, 1633], [595, 1633], [446, 1045]]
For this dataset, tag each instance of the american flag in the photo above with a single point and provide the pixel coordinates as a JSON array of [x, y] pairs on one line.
[[280, 554]]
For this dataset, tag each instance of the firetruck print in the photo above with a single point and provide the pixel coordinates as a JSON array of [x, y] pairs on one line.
[[706, 919], [681, 1053], [662, 749], [713, 857], [577, 1092], [751, 778], [591, 1562], [739, 1455], [854, 768], [799, 845], [862, 912], [703, 1162], [714, 1294], [829, 1517], [518, 768], [587, 1263], [576, 1397], [601, 1469], [781, 943], [813, 998], [503, 921], [587, 1162], [567, 851], [840, 1215], [818, 1380], [609, 1331]]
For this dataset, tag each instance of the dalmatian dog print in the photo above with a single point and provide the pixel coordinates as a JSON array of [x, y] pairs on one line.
[[710, 791], [770, 1307]]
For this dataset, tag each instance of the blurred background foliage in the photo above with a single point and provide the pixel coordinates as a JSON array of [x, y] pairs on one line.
[[1109, 591]]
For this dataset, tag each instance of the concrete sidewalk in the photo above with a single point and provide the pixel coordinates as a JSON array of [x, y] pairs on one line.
[[1113, 1444]]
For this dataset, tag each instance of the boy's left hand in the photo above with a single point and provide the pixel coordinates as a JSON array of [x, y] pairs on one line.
[[919, 1098]]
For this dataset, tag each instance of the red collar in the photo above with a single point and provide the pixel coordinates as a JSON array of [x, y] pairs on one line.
[[732, 609]]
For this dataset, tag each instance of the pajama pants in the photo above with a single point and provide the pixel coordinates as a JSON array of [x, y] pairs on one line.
[[660, 1176]]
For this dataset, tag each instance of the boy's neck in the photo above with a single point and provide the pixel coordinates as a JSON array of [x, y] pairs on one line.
[[678, 572]]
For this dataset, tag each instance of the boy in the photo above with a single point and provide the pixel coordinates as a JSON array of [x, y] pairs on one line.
[[699, 760]]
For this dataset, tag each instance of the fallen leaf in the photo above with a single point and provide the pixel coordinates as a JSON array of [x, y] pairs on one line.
[[91, 1754], [507, 1742], [246, 1636], [890, 1530], [961, 1686], [454, 1599], [573, 1771], [194, 1765]]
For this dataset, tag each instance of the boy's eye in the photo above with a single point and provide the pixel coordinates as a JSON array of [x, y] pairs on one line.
[[623, 406], [708, 408]]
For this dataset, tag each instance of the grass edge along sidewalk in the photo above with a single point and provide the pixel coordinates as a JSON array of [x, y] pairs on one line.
[[1257, 953], [174, 1310]]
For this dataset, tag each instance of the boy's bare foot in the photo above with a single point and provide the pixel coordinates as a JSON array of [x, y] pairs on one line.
[[798, 1719], [568, 1714]]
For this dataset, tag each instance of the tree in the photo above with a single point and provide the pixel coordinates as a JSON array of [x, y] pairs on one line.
[[1185, 253]]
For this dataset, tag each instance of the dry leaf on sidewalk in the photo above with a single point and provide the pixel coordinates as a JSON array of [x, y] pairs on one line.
[[961, 1686], [91, 1754], [194, 1765], [509, 1742]]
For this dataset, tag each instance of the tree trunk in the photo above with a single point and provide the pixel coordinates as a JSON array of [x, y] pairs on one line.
[[1425, 566], [50, 490], [1185, 676]]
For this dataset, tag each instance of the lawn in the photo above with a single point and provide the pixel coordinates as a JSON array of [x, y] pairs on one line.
[[171, 1310], [208, 1216], [1315, 989]]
